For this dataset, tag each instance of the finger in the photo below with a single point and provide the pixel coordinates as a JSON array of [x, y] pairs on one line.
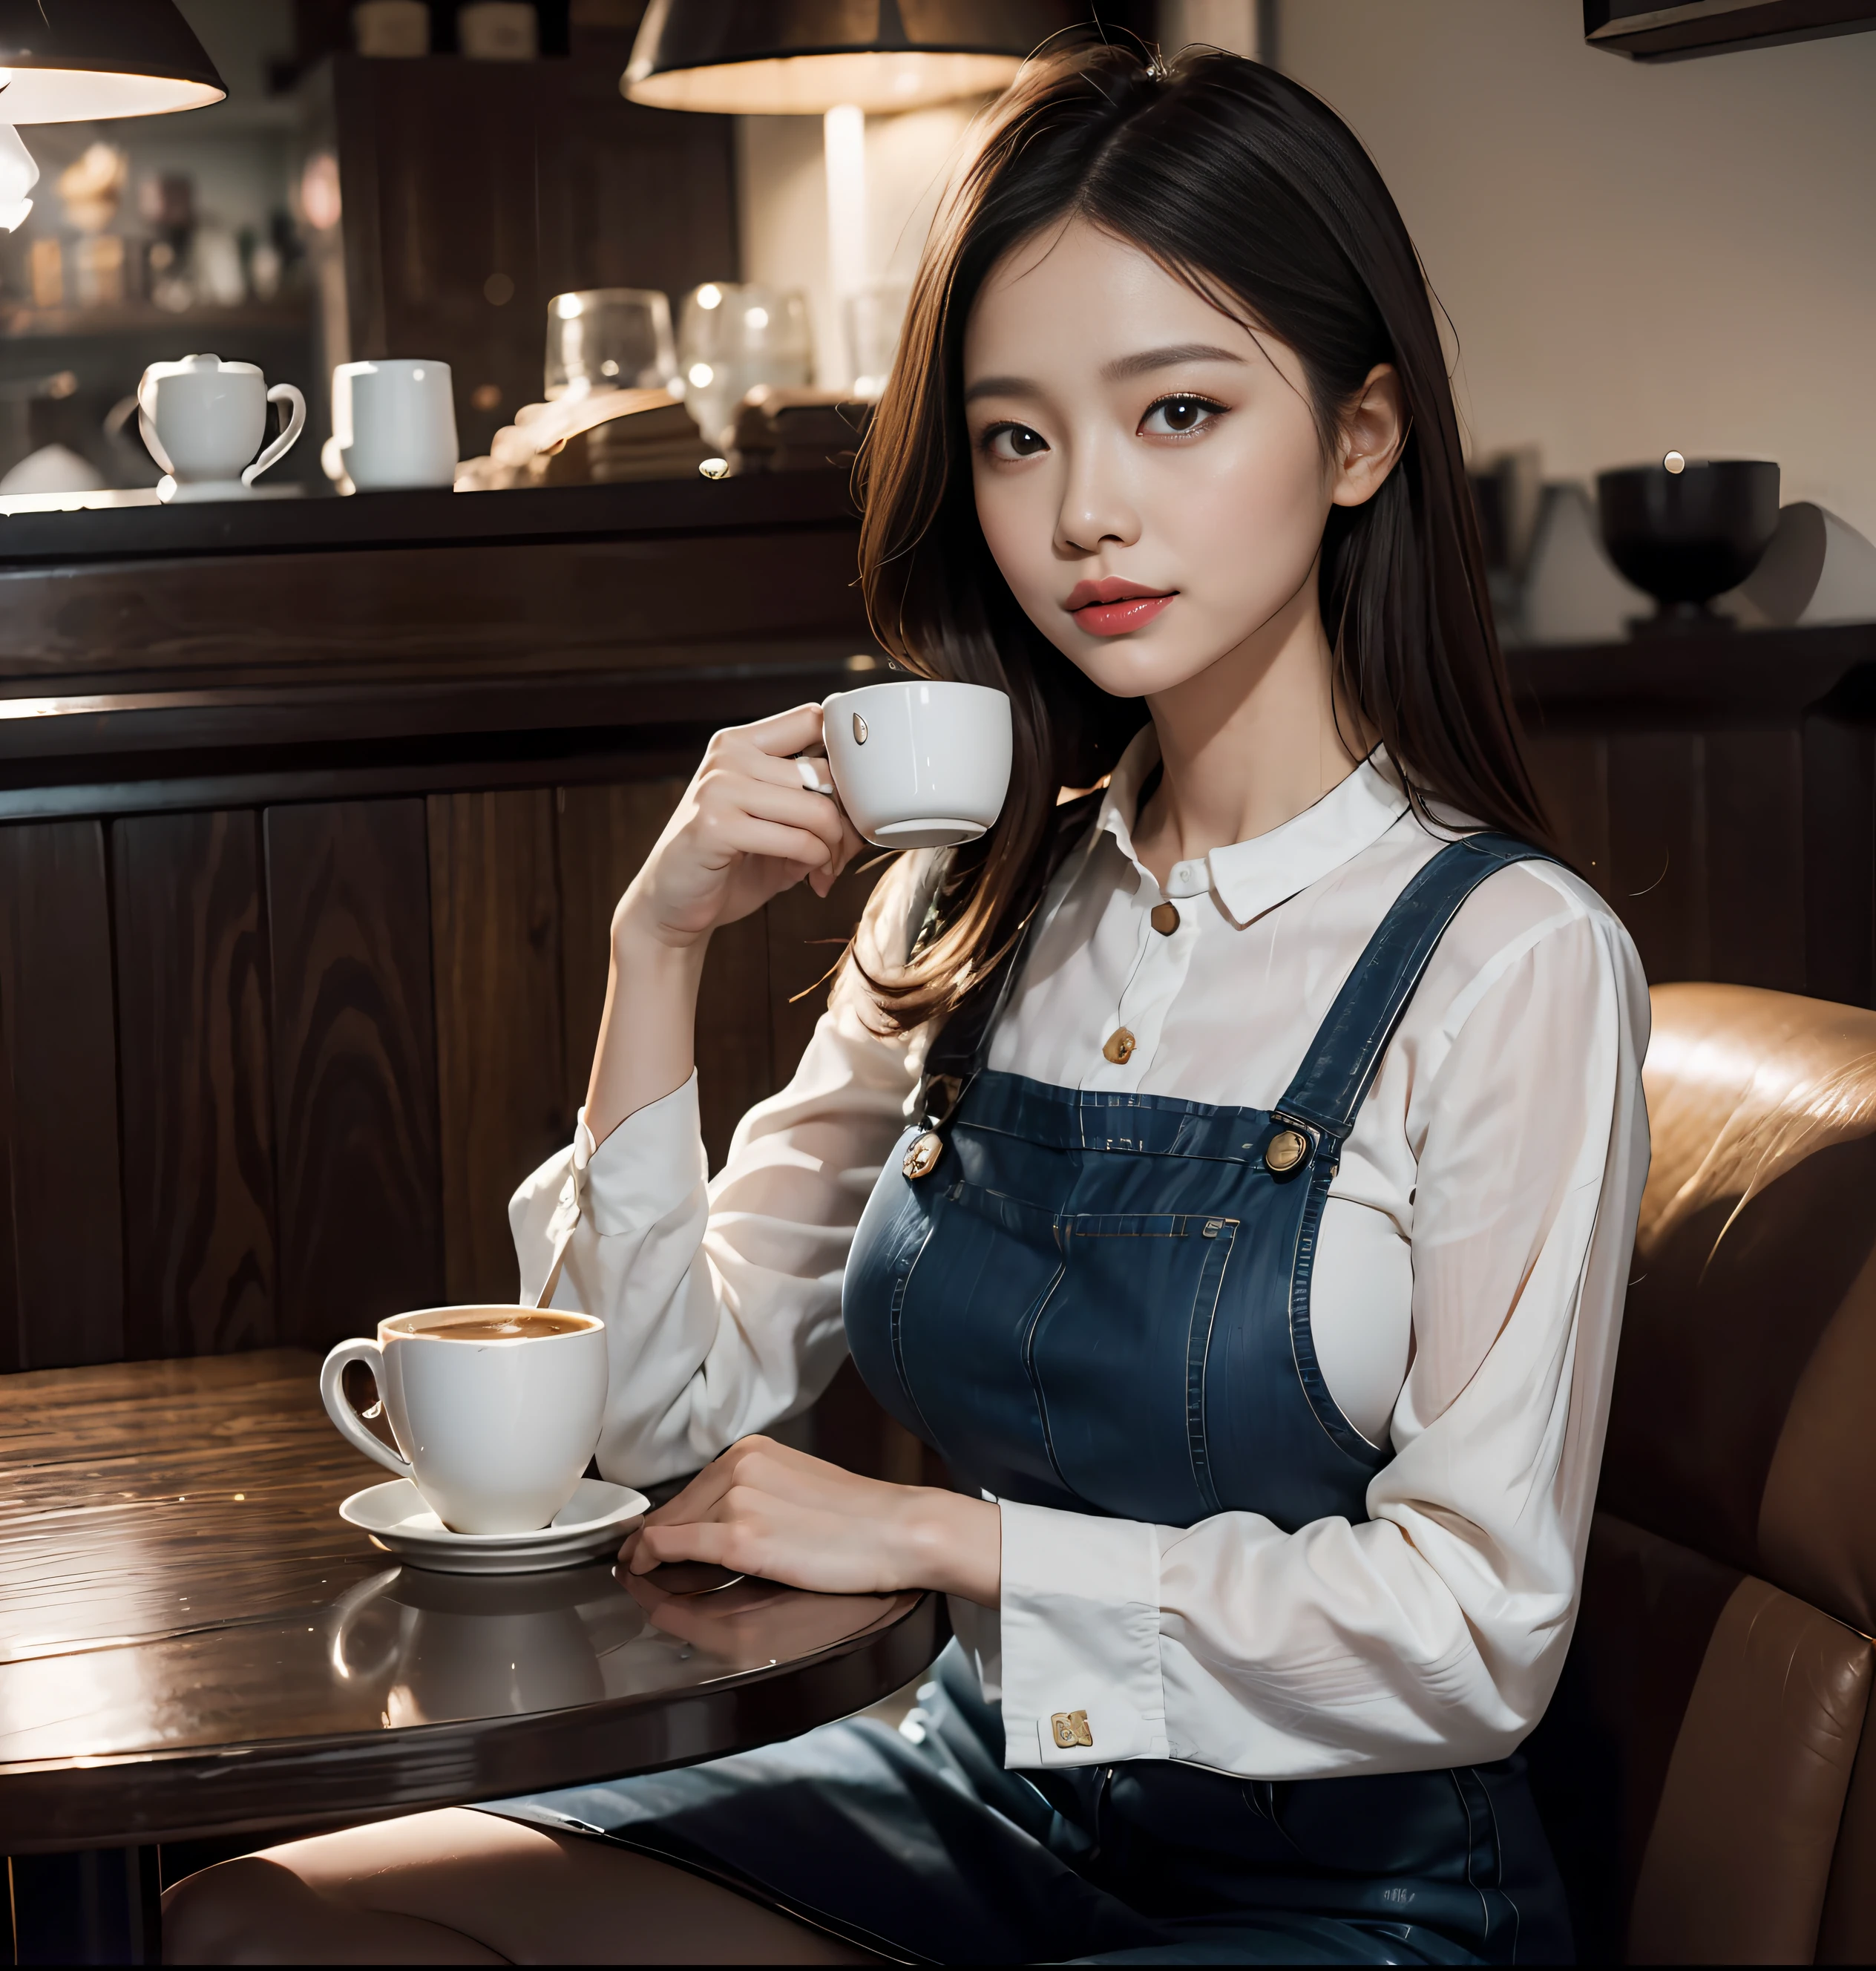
[[698, 1539], [786, 801], [745, 835], [813, 768], [701, 1495], [783, 733]]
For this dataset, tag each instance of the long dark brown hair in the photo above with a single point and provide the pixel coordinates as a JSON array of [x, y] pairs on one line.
[[1259, 197]]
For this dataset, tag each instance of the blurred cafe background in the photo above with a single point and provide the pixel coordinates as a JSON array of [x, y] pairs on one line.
[[559, 322]]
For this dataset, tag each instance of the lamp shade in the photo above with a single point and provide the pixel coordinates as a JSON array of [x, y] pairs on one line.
[[802, 58], [67, 61]]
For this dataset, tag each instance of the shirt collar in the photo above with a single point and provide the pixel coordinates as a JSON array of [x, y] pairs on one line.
[[1250, 877]]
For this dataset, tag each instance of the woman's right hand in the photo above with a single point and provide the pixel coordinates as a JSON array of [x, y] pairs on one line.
[[748, 828]]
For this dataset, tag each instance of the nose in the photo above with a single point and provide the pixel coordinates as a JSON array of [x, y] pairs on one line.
[[1095, 510]]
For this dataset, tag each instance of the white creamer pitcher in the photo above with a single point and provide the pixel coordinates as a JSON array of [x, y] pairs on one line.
[[203, 419]]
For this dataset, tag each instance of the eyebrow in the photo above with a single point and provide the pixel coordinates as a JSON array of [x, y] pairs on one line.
[[1140, 364]]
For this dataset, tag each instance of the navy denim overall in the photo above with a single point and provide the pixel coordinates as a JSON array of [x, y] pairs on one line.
[[1101, 1302]]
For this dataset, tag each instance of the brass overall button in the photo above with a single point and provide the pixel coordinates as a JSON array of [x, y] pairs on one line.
[[1119, 1046], [1286, 1149], [1164, 918], [921, 1158]]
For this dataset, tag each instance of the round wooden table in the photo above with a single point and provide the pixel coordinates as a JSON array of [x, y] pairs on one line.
[[193, 1644]]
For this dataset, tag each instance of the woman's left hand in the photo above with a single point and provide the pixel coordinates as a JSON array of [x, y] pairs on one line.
[[763, 1509]]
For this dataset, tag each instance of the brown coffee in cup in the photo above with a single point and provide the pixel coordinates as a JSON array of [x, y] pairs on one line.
[[520, 1326]]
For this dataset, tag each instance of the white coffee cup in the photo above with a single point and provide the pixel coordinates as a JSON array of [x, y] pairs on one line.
[[921, 764], [393, 425], [203, 419], [495, 1432]]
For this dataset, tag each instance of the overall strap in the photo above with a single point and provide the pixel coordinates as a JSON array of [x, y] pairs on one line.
[[1341, 1061]]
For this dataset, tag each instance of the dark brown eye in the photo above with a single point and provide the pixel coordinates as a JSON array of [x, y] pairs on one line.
[[1015, 441], [1174, 417]]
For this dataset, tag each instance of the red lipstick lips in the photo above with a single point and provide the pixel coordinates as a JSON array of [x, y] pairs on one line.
[[1111, 607]]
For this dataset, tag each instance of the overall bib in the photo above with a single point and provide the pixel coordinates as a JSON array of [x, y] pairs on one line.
[[1100, 1302]]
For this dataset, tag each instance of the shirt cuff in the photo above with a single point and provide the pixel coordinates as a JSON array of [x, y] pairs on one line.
[[1080, 1624], [650, 1166]]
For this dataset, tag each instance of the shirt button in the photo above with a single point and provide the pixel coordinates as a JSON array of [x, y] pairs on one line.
[[1165, 918], [1119, 1046]]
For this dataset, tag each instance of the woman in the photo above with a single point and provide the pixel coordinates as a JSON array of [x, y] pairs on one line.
[[1288, 1135]]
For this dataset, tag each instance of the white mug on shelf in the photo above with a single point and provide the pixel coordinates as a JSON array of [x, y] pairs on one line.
[[203, 419], [393, 425], [920, 764], [496, 1410]]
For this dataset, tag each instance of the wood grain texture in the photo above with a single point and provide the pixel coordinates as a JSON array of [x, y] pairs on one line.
[[354, 1056], [1839, 770], [1571, 770], [735, 1061], [603, 835], [193, 1643], [63, 1291], [500, 1050], [1754, 789], [807, 936], [199, 1245], [1658, 849]]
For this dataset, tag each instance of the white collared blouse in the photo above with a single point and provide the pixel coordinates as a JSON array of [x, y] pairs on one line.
[[1465, 1307]]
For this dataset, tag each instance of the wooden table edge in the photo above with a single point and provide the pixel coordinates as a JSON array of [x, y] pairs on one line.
[[121, 1799]]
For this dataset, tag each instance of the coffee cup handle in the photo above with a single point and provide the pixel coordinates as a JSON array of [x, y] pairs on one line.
[[345, 1419], [281, 393]]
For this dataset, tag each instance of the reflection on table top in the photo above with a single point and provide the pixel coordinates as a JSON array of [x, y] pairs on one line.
[[192, 1641]]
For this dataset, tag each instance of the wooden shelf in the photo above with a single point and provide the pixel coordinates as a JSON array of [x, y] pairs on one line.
[[20, 322]]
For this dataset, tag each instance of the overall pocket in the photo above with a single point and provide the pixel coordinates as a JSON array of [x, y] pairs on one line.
[[1134, 1312]]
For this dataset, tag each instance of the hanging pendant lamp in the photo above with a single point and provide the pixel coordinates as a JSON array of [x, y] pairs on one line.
[[71, 61], [804, 57]]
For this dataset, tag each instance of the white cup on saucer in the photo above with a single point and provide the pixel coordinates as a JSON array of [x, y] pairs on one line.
[[921, 763], [393, 425], [496, 1410], [203, 419]]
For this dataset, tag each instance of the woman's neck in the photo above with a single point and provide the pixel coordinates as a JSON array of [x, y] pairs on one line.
[[1250, 741]]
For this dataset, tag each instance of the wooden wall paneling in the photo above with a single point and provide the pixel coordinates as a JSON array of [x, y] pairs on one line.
[[1754, 784], [642, 199], [12, 1330], [1839, 861], [735, 1052], [58, 1057], [603, 836], [806, 936], [199, 1238], [1571, 770], [501, 1059], [354, 1056], [1657, 850]]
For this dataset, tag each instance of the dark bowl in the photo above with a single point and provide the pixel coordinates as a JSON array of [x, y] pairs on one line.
[[1685, 537]]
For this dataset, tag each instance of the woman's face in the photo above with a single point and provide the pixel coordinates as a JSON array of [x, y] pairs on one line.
[[1148, 475]]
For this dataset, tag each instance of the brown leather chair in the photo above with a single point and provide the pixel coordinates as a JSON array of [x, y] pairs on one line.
[[1708, 1769]]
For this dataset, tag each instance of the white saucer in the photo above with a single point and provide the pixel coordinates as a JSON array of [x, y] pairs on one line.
[[592, 1521]]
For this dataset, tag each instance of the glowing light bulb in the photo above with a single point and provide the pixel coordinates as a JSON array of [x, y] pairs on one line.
[[701, 376], [569, 307], [757, 318], [18, 175], [709, 296]]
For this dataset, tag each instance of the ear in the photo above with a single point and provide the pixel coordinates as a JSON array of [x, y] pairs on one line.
[[1374, 430]]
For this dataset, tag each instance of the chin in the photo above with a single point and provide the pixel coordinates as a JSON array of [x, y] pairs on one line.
[[1127, 667]]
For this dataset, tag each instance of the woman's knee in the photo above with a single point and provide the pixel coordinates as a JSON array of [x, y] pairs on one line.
[[257, 1910]]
